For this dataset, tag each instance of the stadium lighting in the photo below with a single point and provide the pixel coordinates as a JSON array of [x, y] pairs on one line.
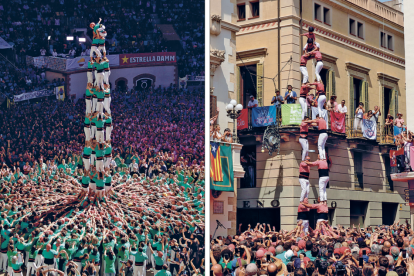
[[48, 38], [82, 39], [69, 38]]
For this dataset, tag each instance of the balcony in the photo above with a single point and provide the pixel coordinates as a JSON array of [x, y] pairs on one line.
[[353, 132]]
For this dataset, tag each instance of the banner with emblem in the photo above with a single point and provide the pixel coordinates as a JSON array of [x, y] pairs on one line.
[[33, 95], [242, 121], [221, 167], [263, 116], [369, 129], [337, 122], [60, 93], [148, 59], [183, 82], [291, 114]]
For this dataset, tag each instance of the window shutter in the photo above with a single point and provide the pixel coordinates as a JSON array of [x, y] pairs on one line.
[[366, 101], [328, 85], [351, 98], [332, 77], [213, 106], [362, 93], [392, 103], [260, 83], [238, 86], [396, 102]]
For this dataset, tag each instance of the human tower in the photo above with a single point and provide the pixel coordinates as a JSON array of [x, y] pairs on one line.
[[97, 153]]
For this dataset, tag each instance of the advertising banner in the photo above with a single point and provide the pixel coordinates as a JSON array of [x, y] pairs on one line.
[[148, 59]]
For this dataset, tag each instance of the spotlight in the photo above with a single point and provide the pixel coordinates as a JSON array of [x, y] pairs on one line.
[[82, 39], [69, 38], [48, 38]]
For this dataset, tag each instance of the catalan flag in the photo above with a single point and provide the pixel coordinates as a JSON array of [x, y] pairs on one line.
[[216, 171], [221, 167]]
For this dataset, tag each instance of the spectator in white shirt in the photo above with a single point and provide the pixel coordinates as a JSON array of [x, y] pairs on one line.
[[376, 113], [133, 167], [87, 52], [54, 53], [72, 52], [253, 102], [342, 108], [43, 51]]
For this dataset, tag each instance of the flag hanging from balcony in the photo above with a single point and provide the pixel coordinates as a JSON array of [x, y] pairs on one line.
[[337, 122], [412, 157], [243, 120], [221, 167], [396, 157], [264, 116], [369, 129], [291, 114]]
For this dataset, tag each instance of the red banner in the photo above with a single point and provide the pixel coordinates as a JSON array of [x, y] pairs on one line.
[[338, 122], [393, 156], [148, 59], [412, 157], [243, 120]]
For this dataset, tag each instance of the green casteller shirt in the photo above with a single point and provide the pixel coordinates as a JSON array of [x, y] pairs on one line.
[[10, 255], [99, 66], [96, 27], [110, 264], [158, 260], [163, 272], [88, 92], [90, 65], [139, 256], [49, 254]]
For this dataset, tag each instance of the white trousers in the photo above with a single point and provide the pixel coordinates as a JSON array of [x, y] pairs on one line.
[[139, 270], [94, 102], [99, 165], [107, 105], [305, 74], [89, 74], [108, 161], [100, 107], [304, 106], [305, 224], [94, 73], [319, 67], [102, 48], [321, 145], [3, 261], [30, 268], [305, 147], [88, 106], [304, 184], [106, 76], [87, 131], [99, 136], [95, 50], [108, 131], [93, 158], [323, 181], [100, 79], [86, 163], [93, 131], [357, 123], [321, 102]]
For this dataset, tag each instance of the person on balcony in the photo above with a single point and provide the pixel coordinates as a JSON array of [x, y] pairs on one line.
[[376, 113], [227, 136], [277, 101], [332, 105], [407, 138], [389, 130], [342, 107], [252, 103], [290, 95], [359, 115], [399, 122]]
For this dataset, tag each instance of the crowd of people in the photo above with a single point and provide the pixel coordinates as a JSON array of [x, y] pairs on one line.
[[132, 27], [324, 251]]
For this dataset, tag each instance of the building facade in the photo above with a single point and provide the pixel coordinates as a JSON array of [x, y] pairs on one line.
[[362, 44], [223, 88]]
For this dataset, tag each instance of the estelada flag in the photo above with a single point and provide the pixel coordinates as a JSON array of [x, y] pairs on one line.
[[338, 122], [216, 171], [242, 121], [393, 156]]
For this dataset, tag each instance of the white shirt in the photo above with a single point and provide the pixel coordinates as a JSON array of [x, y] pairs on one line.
[[253, 103], [43, 52], [342, 109], [54, 54], [133, 167], [72, 52]]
